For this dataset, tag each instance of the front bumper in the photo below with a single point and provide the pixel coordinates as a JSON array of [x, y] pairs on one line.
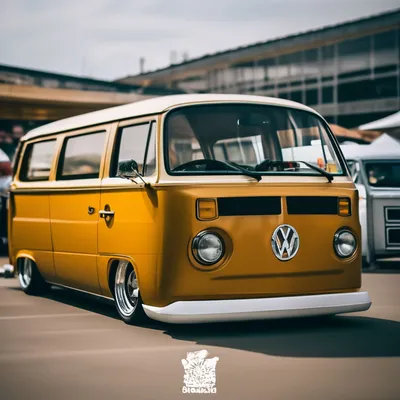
[[254, 309]]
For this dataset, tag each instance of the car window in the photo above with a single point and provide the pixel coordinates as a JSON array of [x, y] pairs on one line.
[[150, 158], [37, 161], [81, 157], [383, 174], [138, 143], [266, 139]]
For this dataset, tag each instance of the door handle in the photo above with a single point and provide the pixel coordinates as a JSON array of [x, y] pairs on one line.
[[106, 213]]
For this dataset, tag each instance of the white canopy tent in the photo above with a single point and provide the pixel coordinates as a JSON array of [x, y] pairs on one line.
[[373, 151], [389, 124], [386, 142]]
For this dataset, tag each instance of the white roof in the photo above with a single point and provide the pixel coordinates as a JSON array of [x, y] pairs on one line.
[[151, 106], [371, 151], [389, 122]]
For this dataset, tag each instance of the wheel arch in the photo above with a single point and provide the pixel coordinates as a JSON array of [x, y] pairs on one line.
[[24, 254], [112, 269]]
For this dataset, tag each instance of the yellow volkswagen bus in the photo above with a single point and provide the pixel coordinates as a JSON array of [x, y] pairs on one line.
[[190, 208]]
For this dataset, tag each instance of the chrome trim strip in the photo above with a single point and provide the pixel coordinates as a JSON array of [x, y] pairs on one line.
[[265, 308], [80, 290], [165, 184], [53, 190]]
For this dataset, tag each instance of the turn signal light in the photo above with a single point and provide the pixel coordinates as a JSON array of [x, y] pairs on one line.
[[344, 207], [207, 209]]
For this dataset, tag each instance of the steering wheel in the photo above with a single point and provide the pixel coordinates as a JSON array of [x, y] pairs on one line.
[[210, 165]]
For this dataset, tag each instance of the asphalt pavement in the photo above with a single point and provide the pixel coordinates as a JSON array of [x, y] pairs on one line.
[[69, 345]]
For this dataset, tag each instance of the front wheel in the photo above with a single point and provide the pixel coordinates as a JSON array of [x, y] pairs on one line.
[[29, 277], [127, 295]]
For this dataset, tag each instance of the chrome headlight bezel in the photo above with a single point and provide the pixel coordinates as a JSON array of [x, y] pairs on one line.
[[336, 244], [197, 242]]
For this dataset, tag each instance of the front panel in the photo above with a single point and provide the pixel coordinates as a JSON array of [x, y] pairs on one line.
[[252, 268]]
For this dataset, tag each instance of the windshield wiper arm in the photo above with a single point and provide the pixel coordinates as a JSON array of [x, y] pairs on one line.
[[320, 170], [245, 171]]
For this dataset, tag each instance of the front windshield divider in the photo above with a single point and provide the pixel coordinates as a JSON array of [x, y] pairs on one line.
[[322, 143]]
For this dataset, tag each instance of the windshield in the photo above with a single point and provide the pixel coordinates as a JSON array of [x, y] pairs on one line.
[[237, 138], [383, 174]]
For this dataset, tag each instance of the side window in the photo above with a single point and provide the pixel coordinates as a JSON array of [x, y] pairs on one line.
[[81, 156], [15, 159], [137, 142], [37, 161], [150, 159]]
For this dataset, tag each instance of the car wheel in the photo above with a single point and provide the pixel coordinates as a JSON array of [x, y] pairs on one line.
[[29, 277], [127, 295]]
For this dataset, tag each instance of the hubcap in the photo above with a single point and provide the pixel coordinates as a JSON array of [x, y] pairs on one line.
[[126, 289], [25, 273]]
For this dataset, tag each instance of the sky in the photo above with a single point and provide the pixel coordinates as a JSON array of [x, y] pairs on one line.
[[105, 39]]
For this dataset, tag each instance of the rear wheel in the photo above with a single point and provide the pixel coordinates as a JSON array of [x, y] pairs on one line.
[[29, 277], [127, 295]]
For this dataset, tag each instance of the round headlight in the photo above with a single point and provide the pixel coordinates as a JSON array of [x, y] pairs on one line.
[[208, 248], [345, 243]]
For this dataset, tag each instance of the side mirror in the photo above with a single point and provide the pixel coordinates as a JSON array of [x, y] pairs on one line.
[[128, 169]]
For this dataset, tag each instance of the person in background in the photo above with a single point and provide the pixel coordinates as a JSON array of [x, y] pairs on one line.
[[376, 175]]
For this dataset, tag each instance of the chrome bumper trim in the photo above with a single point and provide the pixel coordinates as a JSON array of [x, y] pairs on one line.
[[253, 309]]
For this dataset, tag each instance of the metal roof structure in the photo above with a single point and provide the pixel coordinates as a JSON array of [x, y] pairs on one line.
[[279, 45], [91, 83]]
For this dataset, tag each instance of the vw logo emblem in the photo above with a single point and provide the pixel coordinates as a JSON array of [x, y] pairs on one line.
[[285, 242]]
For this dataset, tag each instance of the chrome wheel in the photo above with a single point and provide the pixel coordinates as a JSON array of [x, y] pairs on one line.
[[126, 289], [25, 273]]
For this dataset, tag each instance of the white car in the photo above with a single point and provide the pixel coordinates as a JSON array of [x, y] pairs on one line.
[[379, 196], [376, 172]]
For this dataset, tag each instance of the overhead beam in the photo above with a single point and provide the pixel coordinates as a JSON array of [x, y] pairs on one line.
[[37, 103]]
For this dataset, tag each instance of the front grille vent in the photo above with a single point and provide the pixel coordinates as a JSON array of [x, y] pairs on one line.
[[393, 214], [230, 206], [306, 205]]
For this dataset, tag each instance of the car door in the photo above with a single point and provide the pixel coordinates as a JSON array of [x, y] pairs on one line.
[[74, 208], [127, 229]]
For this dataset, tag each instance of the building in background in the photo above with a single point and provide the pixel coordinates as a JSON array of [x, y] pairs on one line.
[[348, 72], [29, 98]]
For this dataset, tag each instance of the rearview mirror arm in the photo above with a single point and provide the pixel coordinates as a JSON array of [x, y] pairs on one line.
[[146, 184], [132, 179]]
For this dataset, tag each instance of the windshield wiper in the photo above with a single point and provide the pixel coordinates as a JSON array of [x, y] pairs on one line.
[[245, 171], [327, 175], [268, 164]]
